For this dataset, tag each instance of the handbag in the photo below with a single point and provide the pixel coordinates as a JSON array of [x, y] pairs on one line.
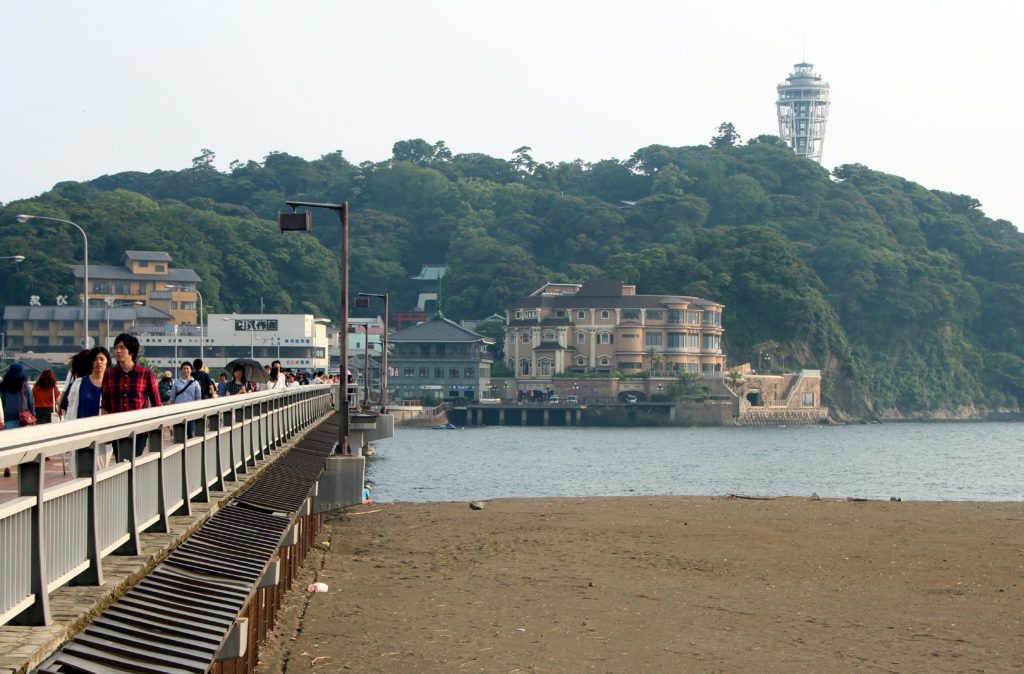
[[25, 416], [55, 415]]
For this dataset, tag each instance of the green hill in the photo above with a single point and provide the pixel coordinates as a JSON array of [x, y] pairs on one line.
[[911, 300]]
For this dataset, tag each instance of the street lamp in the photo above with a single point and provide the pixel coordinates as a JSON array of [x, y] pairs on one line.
[[85, 239], [13, 258], [202, 332], [252, 329], [303, 222], [363, 300], [111, 304]]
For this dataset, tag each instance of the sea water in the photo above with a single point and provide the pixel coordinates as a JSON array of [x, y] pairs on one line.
[[912, 461]]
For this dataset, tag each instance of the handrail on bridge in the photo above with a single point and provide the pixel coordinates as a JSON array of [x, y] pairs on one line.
[[51, 536]]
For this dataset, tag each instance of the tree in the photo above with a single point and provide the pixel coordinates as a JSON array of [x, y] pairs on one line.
[[726, 136]]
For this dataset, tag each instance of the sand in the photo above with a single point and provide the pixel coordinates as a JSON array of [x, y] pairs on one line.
[[667, 584]]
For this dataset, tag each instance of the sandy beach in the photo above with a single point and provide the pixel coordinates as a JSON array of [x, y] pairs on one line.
[[665, 584]]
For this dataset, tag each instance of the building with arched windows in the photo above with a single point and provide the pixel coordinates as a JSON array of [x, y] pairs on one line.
[[604, 326]]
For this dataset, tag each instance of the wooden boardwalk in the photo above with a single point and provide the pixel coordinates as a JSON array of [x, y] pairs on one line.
[[72, 607]]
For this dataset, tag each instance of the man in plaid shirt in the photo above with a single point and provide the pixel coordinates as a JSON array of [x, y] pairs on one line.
[[128, 386]]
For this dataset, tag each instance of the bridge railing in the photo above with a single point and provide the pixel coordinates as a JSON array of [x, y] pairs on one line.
[[51, 536]]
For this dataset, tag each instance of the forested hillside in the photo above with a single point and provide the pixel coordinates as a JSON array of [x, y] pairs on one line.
[[911, 300]]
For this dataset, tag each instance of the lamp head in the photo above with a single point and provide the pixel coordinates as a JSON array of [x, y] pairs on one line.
[[18, 258], [23, 218]]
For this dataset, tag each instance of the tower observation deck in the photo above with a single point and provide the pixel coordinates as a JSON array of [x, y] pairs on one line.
[[803, 111]]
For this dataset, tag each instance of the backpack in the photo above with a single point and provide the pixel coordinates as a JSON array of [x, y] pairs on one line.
[[165, 390]]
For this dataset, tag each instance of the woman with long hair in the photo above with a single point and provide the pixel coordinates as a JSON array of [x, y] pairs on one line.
[[79, 366], [45, 394], [84, 392]]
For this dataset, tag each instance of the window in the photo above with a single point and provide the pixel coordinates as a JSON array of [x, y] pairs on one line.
[[41, 325], [631, 335], [629, 366], [604, 314], [560, 313], [712, 318], [519, 314], [712, 342], [682, 340], [409, 372], [160, 269], [809, 400], [531, 313], [441, 350], [424, 351], [549, 336], [424, 372], [631, 314], [675, 316], [526, 338], [453, 372], [438, 373], [524, 367], [581, 314], [581, 361], [143, 263], [691, 368], [604, 361], [581, 337], [545, 367], [693, 317], [469, 372], [605, 338], [655, 314], [652, 339]]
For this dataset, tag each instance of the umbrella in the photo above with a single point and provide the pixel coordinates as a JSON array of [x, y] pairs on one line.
[[253, 370]]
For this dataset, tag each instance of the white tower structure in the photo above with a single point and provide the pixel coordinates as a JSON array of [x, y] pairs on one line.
[[803, 111]]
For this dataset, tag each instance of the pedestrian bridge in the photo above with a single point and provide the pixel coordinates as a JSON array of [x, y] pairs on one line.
[[75, 534]]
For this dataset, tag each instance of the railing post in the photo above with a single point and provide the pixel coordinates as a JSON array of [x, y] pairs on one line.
[[251, 428], [162, 524], [186, 503], [31, 483], [238, 442], [85, 462], [132, 545], [204, 471]]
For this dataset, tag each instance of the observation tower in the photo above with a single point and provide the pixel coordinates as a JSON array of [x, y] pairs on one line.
[[803, 111]]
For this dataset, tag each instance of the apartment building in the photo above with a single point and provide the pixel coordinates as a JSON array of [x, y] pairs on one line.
[[604, 326]]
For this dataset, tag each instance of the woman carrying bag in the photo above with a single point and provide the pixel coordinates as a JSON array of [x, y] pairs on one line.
[[44, 395], [19, 407]]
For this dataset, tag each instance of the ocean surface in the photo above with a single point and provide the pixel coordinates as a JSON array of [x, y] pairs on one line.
[[935, 461]]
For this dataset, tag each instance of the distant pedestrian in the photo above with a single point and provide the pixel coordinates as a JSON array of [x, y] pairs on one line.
[[44, 395], [201, 375], [186, 389], [222, 385], [79, 366], [84, 393], [165, 384], [128, 386], [16, 396], [275, 378]]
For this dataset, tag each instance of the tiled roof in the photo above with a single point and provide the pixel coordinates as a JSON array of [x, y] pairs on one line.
[[66, 313], [147, 256], [107, 272], [438, 330]]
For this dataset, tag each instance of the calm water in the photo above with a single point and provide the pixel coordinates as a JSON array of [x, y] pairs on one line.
[[922, 461]]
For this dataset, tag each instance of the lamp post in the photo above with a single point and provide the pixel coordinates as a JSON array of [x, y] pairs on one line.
[[85, 240], [304, 222], [202, 331], [360, 299], [110, 305]]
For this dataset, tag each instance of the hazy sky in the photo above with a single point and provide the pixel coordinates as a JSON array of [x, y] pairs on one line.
[[925, 90]]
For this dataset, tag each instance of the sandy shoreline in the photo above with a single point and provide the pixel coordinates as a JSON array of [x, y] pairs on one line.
[[662, 584]]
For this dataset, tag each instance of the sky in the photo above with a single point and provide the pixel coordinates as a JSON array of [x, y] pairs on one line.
[[924, 90]]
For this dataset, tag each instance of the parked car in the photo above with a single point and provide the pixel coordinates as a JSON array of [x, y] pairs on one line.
[[572, 400], [630, 399], [553, 400]]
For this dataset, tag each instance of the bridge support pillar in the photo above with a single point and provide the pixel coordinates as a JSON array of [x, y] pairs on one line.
[[341, 483]]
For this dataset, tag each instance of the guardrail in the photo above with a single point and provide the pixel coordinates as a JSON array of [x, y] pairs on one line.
[[59, 535]]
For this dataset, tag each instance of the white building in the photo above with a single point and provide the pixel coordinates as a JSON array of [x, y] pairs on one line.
[[299, 341]]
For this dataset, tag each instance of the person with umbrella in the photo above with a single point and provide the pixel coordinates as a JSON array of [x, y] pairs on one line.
[[238, 384]]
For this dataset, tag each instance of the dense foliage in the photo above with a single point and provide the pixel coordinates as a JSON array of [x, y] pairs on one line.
[[910, 300]]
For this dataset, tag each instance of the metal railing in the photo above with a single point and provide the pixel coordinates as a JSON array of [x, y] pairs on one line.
[[51, 536]]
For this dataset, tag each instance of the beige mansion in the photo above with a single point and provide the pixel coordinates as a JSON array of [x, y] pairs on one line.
[[606, 326]]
